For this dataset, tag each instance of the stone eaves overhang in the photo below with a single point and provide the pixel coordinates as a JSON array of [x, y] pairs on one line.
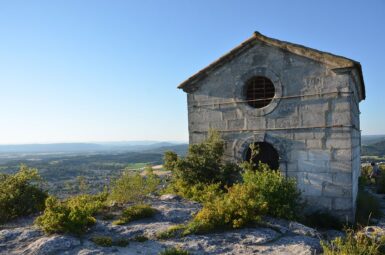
[[336, 62]]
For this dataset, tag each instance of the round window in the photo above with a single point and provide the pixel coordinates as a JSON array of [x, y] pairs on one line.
[[259, 91]]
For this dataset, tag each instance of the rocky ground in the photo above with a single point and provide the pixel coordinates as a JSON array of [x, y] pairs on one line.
[[277, 237]]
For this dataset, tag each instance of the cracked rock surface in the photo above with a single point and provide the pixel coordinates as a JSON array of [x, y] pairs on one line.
[[276, 236]]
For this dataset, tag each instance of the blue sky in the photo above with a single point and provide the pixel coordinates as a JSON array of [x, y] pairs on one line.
[[77, 70]]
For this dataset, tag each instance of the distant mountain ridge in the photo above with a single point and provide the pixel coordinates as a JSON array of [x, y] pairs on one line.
[[371, 139], [374, 149], [85, 147]]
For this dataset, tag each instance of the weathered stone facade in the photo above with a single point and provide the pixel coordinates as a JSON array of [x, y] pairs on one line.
[[313, 120]]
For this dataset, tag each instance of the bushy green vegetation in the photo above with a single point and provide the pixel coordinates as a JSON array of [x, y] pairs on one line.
[[132, 187], [135, 212], [174, 251], [104, 241], [379, 182], [107, 241], [203, 164], [97, 168], [74, 215], [140, 238], [262, 192], [233, 196], [199, 192], [280, 193], [366, 170], [171, 232], [354, 244], [20, 194]]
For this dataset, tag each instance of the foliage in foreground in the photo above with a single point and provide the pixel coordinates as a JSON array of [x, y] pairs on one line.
[[199, 192], [104, 241], [379, 183], [262, 192], [135, 212], [140, 238], [203, 164], [231, 199], [353, 244], [280, 193], [74, 215], [107, 241], [174, 251], [171, 232], [132, 187], [20, 194]]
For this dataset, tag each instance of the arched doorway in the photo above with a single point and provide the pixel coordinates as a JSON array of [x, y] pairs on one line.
[[267, 154]]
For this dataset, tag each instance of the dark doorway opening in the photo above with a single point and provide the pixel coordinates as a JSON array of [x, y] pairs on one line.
[[267, 154]]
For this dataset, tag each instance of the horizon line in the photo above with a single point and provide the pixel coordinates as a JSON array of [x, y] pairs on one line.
[[95, 142]]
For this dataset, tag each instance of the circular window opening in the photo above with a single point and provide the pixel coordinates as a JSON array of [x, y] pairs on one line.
[[259, 91], [266, 154]]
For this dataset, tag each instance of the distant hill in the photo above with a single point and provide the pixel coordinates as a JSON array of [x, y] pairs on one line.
[[371, 139], [374, 149], [180, 149], [88, 147]]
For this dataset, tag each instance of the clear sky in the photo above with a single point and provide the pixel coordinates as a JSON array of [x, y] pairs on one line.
[[78, 70]]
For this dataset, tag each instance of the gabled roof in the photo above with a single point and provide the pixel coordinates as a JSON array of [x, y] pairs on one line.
[[336, 62]]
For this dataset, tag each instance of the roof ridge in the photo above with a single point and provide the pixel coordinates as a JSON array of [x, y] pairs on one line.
[[324, 57]]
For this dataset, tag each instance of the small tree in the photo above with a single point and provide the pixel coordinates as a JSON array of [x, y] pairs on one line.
[[21, 194], [74, 215], [82, 184], [132, 187], [262, 192], [203, 163]]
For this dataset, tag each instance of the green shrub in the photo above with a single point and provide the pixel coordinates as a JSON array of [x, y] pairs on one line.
[[82, 184], [140, 238], [203, 164], [262, 192], [241, 205], [353, 244], [132, 187], [107, 241], [169, 160], [203, 176], [173, 231], [120, 242], [104, 241], [199, 192], [366, 170], [174, 251], [75, 215], [367, 207], [135, 212], [280, 193], [20, 194]]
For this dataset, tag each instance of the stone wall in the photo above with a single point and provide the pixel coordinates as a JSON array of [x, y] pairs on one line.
[[323, 158]]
